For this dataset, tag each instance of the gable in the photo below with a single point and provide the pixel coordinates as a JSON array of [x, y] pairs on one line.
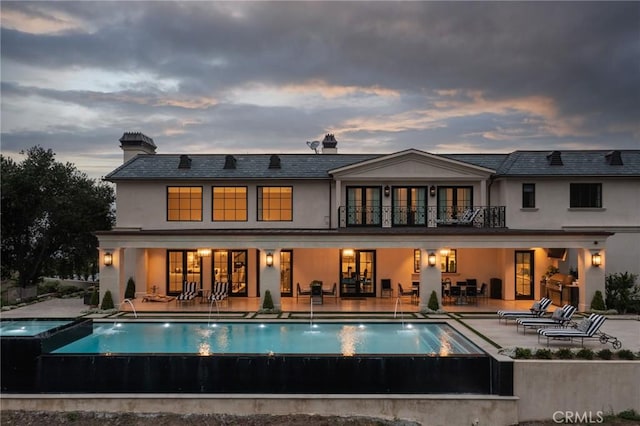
[[410, 165]]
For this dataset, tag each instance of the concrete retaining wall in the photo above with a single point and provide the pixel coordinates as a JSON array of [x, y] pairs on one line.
[[445, 410], [548, 388]]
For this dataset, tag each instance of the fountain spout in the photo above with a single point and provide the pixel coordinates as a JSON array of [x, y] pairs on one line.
[[135, 314], [395, 312], [311, 312]]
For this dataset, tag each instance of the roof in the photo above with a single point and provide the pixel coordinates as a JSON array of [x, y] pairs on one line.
[[318, 166]]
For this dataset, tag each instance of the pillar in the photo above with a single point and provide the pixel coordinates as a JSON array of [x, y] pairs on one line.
[[270, 277], [590, 278], [430, 278]]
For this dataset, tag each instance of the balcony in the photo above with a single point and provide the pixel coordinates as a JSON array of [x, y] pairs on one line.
[[430, 217]]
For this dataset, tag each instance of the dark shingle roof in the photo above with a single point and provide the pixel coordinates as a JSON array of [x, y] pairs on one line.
[[574, 163], [314, 166]]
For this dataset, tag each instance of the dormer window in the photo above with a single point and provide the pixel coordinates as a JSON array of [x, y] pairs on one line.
[[229, 162]]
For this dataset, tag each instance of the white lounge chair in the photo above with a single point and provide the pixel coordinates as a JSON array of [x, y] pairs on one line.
[[538, 309], [559, 318], [588, 328], [189, 292]]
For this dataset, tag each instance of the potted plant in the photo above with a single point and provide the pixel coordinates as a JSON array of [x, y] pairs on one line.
[[130, 292]]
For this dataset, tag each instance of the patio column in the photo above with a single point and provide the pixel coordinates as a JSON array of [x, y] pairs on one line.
[[270, 277], [111, 276], [590, 277], [430, 278]]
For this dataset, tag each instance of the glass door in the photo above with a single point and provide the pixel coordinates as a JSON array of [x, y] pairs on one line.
[[524, 275], [230, 266], [286, 273], [357, 277], [182, 265]]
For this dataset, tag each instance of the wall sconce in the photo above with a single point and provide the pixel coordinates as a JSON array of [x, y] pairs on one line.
[[270, 259], [204, 252], [387, 191], [432, 259], [108, 259], [432, 190], [596, 259]]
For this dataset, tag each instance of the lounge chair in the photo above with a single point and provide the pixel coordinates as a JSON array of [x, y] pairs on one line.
[[219, 292], [407, 293], [189, 292], [538, 309], [559, 318], [300, 292], [333, 292], [588, 328]]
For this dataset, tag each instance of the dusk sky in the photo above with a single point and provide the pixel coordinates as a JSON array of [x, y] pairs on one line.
[[265, 77]]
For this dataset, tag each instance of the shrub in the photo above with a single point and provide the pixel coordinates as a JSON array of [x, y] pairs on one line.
[[629, 415], [597, 303], [267, 303], [107, 301], [433, 301], [95, 297], [48, 287], [67, 289], [130, 292], [543, 354], [622, 293], [626, 354], [604, 354], [523, 353], [585, 353], [564, 353]]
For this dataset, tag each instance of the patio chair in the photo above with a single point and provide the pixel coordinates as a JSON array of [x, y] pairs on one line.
[[219, 292], [483, 293], [455, 292], [472, 294], [333, 292], [588, 328], [300, 292], [538, 309], [405, 293], [189, 292], [559, 318], [446, 290]]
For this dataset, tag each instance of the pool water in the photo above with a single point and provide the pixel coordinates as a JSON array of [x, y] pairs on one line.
[[16, 328], [437, 339]]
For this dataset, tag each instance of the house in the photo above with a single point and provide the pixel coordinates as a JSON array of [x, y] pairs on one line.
[[268, 221]]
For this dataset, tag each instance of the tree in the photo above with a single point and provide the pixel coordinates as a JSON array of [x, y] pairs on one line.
[[50, 212]]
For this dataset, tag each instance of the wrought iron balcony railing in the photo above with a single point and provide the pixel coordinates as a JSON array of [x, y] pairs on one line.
[[393, 216]]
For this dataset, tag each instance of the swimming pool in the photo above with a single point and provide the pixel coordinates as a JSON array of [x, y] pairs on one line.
[[434, 339], [29, 327]]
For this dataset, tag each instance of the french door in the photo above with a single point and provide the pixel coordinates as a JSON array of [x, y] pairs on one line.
[[524, 275], [357, 276]]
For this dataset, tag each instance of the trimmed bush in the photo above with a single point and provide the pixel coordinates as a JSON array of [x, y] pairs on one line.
[[95, 297], [604, 354], [130, 292], [622, 293], [629, 415], [543, 354], [585, 353], [564, 353], [433, 301], [523, 353], [107, 301], [267, 303], [626, 354], [597, 303]]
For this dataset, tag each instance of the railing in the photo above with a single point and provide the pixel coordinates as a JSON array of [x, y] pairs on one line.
[[431, 217]]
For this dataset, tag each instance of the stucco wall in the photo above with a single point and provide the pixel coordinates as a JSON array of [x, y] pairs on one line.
[[545, 387]]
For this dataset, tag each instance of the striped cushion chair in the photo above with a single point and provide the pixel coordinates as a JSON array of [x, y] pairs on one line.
[[219, 292], [189, 292], [588, 328], [537, 310], [560, 318]]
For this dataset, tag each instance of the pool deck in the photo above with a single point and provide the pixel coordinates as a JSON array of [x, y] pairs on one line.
[[471, 320]]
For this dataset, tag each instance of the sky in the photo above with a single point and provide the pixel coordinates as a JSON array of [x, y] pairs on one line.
[[266, 77]]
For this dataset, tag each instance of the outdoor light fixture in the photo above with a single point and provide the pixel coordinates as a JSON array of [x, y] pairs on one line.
[[387, 191], [204, 252], [108, 259], [270, 259], [596, 259], [432, 259], [432, 190]]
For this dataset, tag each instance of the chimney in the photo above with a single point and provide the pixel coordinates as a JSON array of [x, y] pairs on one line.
[[329, 144], [134, 143]]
